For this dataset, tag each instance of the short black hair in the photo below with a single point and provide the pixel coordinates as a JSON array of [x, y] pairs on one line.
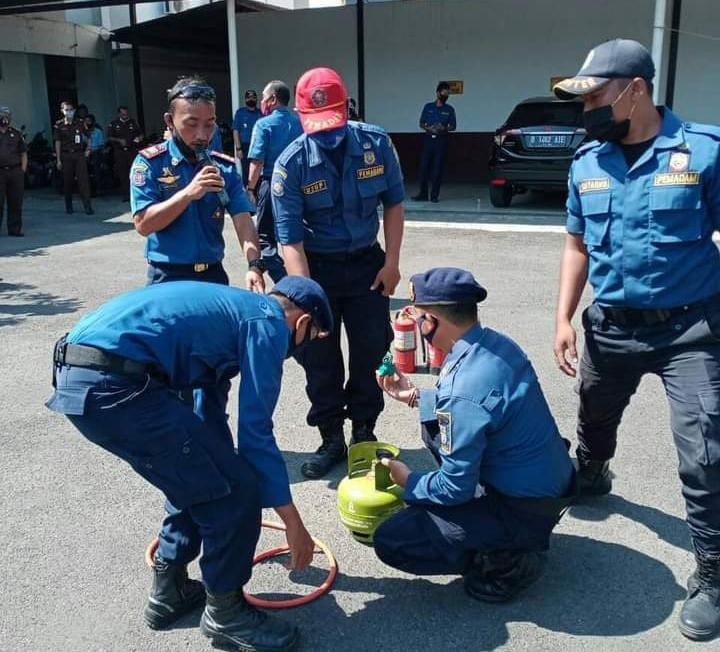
[[280, 90], [68, 102], [184, 82], [90, 116], [122, 107], [458, 314], [442, 86]]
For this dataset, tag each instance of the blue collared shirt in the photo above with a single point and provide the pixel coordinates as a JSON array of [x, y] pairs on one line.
[[271, 135], [200, 335], [97, 139], [648, 229], [195, 236], [331, 212], [433, 114], [495, 426], [244, 121]]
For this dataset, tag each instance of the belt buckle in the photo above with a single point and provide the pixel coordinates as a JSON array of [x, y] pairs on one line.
[[200, 267]]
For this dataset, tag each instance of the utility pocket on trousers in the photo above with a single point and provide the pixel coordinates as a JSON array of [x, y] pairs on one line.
[[710, 429]]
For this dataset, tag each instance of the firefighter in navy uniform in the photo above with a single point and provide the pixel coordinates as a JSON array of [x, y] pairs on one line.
[[13, 164], [504, 475], [643, 203], [71, 150], [326, 187], [125, 136]]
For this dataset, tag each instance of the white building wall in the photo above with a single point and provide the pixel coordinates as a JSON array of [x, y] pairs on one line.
[[503, 50], [697, 81], [23, 89]]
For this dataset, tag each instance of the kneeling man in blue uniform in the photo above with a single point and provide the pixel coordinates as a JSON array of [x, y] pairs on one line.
[[116, 377], [504, 475]]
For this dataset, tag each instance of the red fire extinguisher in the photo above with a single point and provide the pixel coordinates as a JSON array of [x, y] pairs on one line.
[[436, 359], [404, 343]]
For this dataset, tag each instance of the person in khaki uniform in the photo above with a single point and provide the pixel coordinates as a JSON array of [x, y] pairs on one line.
[[13, 163], [71, 149], [125, 136]]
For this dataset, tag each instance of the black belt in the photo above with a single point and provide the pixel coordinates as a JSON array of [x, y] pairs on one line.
[[186, 267], [344, 257], [9, 167], [640, 317], [78, 355], [550, 506]]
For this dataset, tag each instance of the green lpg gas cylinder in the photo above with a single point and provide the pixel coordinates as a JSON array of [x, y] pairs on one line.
[[367, 496]]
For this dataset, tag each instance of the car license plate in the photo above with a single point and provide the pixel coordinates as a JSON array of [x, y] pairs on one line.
[[546, 140]]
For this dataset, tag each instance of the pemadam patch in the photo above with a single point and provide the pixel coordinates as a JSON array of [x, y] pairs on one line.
[[445, 425], [679, 162]]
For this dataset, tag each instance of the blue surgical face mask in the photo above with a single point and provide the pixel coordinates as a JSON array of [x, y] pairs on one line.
[[330, 139]]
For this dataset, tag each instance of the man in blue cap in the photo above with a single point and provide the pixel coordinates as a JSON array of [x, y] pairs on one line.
[[504, 475], [643, 203], [116, 377]]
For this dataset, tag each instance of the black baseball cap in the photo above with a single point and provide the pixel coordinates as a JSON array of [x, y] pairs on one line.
[[617, 59]]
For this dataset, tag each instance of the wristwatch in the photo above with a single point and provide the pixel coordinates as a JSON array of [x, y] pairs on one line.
[[258, 264]]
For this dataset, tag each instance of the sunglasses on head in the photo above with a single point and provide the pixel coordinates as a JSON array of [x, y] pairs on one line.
[[194, 92]]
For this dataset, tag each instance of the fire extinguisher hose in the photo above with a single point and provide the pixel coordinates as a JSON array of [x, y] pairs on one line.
[[268, 554]]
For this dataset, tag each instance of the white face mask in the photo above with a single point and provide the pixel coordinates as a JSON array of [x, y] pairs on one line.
[[69, 113]]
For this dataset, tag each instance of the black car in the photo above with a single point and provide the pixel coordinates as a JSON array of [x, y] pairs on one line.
[[534, 148]]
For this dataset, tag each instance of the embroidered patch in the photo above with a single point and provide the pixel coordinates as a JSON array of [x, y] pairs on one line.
[[593, 185], [445, 425], [278, 189], [677, 179], [138, 175], [369, 158], [154, 150], [319, 98], [367, 173], [281, 172], [168, 180], [367, 145], [316, 186], [679, 162]]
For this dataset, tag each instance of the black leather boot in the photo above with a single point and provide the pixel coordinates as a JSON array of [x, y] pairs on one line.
[[68, 205], [172, 595], [362, 431], [500, 575], [331, 452], [88, 208], [700, 614], [233, 624], [594, 477]]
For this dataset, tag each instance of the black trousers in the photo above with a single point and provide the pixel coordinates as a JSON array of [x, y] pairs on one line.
[[432, 163], [365, 315], [12, 188], [684, 352], [265, 224], [74, 166]]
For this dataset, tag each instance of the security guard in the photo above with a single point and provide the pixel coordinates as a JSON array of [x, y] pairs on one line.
[[504, 473], [71, 149], [13, 164], [644, 200], [115, 376], [180, 193], [125, 136], [242, 126], [326, 188], [437, 120], [270, 136]]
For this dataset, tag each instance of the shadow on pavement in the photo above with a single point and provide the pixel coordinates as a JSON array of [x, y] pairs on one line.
[[28, 302]]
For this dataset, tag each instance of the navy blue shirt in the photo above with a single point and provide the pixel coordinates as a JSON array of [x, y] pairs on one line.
[[648, 228], [271, 135], [195, 236], [331, 212], [434, 114], [200, 334], [244, 121], [495, 426]]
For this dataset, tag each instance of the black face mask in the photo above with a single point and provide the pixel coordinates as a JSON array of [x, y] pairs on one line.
[[600, 123], [443, 98], [251, 103], [420, 321], [188, 152], [4, 122], [293, 347]]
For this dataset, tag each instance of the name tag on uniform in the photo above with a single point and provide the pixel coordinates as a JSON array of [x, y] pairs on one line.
[[374, 171], [677, 179], [594, 185], [315, 186], [77, 138]]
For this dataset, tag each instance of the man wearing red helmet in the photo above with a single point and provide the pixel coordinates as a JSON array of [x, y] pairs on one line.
[[326, 187]]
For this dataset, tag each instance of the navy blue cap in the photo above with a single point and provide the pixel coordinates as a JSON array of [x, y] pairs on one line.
[[307, 295], [445, 285], [617, 59]]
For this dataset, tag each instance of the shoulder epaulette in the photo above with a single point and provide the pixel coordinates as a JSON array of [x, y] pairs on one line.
[[371, 128], [585, 148], [223, 156], [154, 150], [707, 130], [293, 148]]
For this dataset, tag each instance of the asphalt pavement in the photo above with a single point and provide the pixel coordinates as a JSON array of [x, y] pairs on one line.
[[75, 520]]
